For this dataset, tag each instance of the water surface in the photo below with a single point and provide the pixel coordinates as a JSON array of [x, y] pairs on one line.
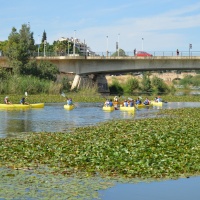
[[54, 118]]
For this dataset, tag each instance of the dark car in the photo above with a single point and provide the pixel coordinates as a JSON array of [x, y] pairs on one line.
[[143, 54]]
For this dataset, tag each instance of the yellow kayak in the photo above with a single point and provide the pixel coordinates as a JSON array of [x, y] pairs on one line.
[[124, 108], [143, 105], [108, 108], [15, 106], [156, 103], [37, 105], [69, 107]]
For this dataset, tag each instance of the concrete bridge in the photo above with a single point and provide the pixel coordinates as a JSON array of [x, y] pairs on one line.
[[94, 68]]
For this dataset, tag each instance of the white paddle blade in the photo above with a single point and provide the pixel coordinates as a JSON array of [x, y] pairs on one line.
[[63, 94], [26, 94]]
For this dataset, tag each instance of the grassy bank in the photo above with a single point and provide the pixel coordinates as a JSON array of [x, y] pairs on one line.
[[94, 97]]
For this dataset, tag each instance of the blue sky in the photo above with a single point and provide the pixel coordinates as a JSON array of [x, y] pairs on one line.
[[164, 25]]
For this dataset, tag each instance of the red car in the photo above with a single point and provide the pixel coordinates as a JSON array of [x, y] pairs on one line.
[[143, 54]]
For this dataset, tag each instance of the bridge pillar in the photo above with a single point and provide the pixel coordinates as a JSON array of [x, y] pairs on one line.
[[102, 83], [89, 81]]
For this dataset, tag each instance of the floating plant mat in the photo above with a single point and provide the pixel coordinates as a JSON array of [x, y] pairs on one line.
[[18, 184], [157, 148]]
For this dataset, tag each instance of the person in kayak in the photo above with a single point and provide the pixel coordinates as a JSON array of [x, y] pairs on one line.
[[110, 103], [146, 102], [125, 103], [131, 103], [158, 99], [138, 101], [6, 100], [23, 101], [116, 99], [69, 101]]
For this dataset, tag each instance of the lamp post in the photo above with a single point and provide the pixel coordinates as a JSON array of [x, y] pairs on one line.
[[68, 48], [107, 46], [118, 44], [44, 47], [142, 43], [190, 47], [38, 46], [74, 42]]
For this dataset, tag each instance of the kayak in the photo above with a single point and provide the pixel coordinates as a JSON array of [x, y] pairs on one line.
[[143, 105], [37, 105], [69, 107], [14, 106], [34, 105], [156, 103], [124, 108], [108, 108]]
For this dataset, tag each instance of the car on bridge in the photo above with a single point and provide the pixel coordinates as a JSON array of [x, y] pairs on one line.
[[143, 54]]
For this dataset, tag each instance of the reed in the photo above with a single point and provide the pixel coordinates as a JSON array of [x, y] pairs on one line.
[[33, 85]]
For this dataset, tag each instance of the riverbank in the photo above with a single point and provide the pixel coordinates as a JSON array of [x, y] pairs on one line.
[[95, 97]]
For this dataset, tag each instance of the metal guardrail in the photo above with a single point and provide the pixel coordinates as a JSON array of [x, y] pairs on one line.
[[113, 54]]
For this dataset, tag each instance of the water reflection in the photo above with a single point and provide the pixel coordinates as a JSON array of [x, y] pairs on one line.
[[54, 118]]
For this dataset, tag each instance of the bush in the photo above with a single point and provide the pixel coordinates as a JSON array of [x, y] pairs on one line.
[[115, 88], [131, 85]]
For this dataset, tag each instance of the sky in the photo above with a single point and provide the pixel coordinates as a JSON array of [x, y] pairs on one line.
[[149, 25]]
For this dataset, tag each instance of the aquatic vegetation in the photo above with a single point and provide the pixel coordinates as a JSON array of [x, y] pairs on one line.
[[166, 146], [31, 185], [124, 150]]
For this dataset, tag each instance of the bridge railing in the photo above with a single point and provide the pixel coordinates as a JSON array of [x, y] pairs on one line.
[[113, 54], [154, 53]]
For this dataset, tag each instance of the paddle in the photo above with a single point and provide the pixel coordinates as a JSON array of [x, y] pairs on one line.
[[26, 94], [63, 95]]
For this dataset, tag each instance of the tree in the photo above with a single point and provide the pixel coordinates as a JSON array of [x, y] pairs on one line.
[[115, 88], [121, 53], [43, 70], [146, 83], [159, 85], [3, 45], [19, 46], [44, 37], [131, 85]]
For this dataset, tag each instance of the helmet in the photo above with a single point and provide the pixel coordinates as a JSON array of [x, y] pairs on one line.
[[6, 97]]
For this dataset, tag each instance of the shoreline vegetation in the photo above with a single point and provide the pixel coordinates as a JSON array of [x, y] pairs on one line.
[[165, 147], [94, 97]]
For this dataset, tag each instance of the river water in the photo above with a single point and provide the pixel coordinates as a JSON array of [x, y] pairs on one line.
[[54, 118]]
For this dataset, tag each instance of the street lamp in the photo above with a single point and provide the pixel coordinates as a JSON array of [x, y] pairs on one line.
[[118, 44], [44, 47], [74, 42], [68, 47], [107, 46], [142, 43], [190, 47], [38, 46]]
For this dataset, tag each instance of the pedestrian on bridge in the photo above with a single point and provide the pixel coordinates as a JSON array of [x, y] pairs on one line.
[[177, 52]]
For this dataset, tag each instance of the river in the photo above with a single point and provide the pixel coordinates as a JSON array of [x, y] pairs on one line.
[[54, 118]]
